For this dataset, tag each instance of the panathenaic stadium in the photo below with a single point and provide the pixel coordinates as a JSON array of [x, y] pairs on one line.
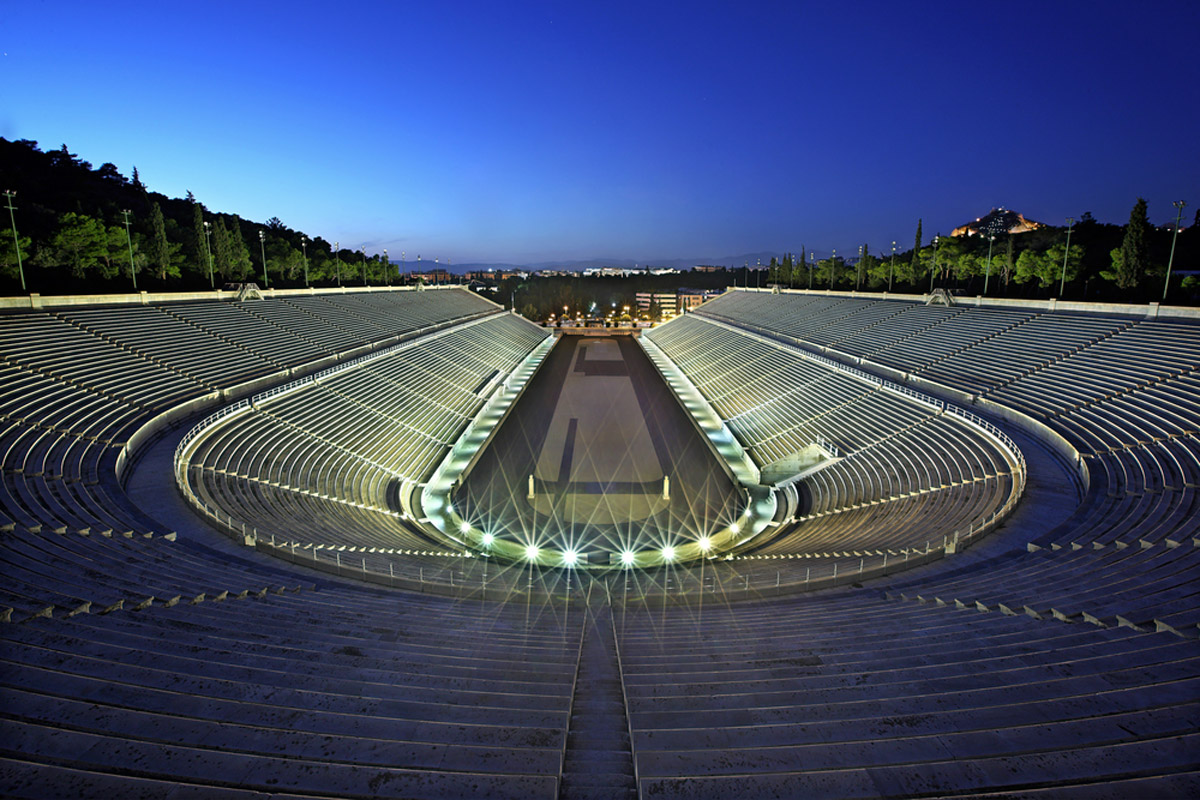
[[406, 544]]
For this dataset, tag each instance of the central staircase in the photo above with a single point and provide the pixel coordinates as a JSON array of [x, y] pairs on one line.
[[599, 760]]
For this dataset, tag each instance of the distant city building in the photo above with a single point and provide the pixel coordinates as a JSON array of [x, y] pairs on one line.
[[666, 302], [996, 222], [707, 268], [690, 298]]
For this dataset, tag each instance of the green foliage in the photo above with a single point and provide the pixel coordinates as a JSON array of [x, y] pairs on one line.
[[1046, 266], [1131, 262], [8, 253], [80, 243]]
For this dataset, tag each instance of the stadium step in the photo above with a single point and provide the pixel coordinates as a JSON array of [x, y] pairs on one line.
[[598, 761]]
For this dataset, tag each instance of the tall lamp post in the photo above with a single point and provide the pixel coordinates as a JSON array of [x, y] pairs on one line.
[[933, 268], [10, 194], [262, 247], [337, 262], [129, 240], [304, 252], [1062, 282], [987, 273], [1179, 204], [858, 270], [812, 266], [832, 267], [387, 268], [212, 281], [363, 250], [892, 269]]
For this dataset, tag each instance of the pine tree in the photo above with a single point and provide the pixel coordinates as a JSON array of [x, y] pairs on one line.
[[1130, 260], [159, 247]]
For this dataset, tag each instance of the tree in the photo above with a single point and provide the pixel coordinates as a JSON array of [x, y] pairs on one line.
[[916, 256], [239, 253], [8, 254], [1046, 266], [866, 266], [1130, 260], [163, 252], [199, 237], [80, 241]]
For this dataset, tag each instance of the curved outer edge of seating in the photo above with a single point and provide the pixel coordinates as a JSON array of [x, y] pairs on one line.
[[1008, 448]]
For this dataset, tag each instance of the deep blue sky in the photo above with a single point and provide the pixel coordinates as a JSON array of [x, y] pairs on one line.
[[542, 131]]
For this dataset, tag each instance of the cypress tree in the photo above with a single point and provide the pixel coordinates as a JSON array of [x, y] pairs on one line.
[[198, 231], [1130, 260], [160, 248], [916, 256]]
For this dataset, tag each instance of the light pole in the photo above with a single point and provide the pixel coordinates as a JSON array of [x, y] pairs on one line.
[[387, 268], [262, 247], [304, 252], [337, 263], [892, 268], [1062, 282], [858, 270], [812, 265], [933, 268], [832, 267], [1179, 204], [16, 241], [987, 274], [363, 250], [129, 239], [212, 282]]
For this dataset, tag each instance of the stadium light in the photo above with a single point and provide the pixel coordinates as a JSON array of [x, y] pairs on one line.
[[668, 553], [570, 558], [465, 527], [304, 251], [531, 552], [735, 528], [10, 194], [212, 283], [129, 238], [627, 557], [705, 543], [488, 539], [1062, 282], [262, 244], [1179, 204]]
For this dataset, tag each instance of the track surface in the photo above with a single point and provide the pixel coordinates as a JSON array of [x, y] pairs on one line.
[[598, 430]]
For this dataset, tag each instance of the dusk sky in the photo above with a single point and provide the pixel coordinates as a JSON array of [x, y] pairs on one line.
[[523, 132]]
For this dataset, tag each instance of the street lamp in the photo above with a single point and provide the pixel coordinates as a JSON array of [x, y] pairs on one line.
[[832, 267], [16, 241], [387, 268], [812, 265], [987, 275], [129, 239], [1063, 280], [892, 269], [1179, 204], [212, 283], [304, 251], [363, 250], [262, 246], [858, 270], [337, 263]]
